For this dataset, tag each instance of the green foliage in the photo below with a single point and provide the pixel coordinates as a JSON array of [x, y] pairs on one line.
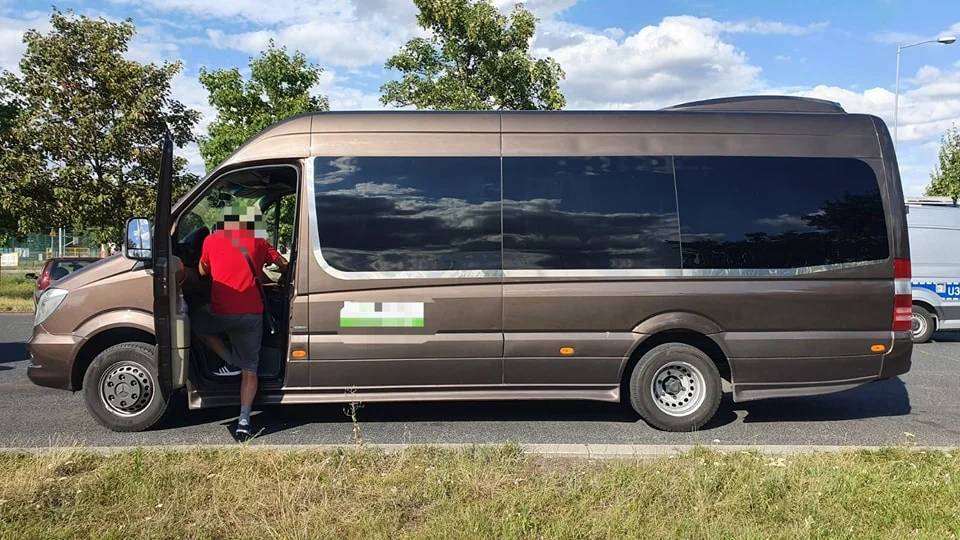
[[9, 109], [945, 179], [17, 286], [84, 149], [476, 59], [278, 88]]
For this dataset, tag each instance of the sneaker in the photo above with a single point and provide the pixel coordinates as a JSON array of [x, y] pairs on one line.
[[226, 370], [243, 431]]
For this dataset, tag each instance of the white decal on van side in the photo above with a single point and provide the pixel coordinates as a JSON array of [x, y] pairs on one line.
[[381, 315]]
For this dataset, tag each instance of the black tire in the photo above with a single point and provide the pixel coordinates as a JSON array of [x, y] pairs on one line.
[[688, 362], [923, 325], [129, 369]]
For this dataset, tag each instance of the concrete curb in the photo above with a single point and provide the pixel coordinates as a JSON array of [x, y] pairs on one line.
[[590, 451]]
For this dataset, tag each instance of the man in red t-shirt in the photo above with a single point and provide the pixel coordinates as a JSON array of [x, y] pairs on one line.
[[235, 307]]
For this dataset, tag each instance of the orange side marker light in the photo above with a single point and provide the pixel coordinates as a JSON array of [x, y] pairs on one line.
[[566, 351], [878, 348], [299, 354]]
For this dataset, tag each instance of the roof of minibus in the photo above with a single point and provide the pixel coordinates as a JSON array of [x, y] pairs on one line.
[[761, 115]]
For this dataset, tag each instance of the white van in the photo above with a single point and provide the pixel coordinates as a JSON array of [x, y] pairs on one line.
[[933, 224]]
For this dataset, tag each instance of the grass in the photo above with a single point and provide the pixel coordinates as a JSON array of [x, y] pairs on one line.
[[16, 293], [487, 492]]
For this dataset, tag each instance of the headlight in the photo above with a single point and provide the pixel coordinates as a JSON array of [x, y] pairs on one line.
[[49, 302]]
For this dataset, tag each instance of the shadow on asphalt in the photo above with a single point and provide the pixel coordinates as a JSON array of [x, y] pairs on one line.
[[274, 419], [879, 399], [13, 352], [945, 337], [874, 400]]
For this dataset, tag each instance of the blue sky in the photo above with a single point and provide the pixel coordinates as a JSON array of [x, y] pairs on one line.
[[617, 53]]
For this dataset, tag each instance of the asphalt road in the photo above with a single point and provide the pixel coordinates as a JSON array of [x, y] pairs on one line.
[[924, 402]]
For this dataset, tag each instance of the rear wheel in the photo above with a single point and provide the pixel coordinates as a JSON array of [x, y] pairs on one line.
[[121, 390], [922, 324], [675, 387]]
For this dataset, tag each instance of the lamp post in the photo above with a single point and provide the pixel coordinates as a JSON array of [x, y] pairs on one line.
[[945, 40]]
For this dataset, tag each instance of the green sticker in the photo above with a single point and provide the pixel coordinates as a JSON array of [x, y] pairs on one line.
[[381, 315]]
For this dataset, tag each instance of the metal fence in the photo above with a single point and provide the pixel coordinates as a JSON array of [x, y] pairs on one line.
[[32, 251]]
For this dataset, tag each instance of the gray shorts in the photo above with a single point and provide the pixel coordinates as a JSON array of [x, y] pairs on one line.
[[245, 333]]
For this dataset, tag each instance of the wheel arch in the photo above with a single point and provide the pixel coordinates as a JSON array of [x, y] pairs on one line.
[[102, 341], [687, 336], [928, 301], [929, 307]]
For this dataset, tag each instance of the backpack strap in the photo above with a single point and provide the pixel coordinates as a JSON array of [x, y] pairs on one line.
[[263, 295]]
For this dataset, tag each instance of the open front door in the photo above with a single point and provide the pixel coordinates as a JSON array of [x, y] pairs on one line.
[[171, 327]]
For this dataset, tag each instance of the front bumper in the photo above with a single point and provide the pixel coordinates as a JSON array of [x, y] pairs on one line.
[[51, 358]]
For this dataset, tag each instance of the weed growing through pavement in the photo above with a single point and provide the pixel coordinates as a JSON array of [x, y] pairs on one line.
[[351, 411]]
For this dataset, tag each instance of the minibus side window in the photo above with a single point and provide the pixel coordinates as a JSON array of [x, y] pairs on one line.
[[380, 214], [577, 213], [779, 212]]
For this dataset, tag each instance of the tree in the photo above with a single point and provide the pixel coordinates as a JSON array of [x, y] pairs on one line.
[[9, 109], [279, 87], [945, 179], [84, 149], [476, 59]]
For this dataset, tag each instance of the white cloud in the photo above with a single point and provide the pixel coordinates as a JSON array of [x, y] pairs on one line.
[[151, 44], [11, 37], [541, 8], [953, 31], [769, 27], [927, 109], [344, 97], [929, 105], [316, 26], [896, 38], [783, 220], [332, 42], [680, 59], [255, 11], [783, 58], [687, 58], [906, 38], [191, 152]]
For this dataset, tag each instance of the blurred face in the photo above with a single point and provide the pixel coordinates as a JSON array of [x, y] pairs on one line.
[[248, 220]]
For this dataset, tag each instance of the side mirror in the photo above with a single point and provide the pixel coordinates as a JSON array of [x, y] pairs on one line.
[[31, 275], [139, 240]]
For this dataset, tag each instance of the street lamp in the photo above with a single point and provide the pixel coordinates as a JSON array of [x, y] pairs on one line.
[[946, 40]]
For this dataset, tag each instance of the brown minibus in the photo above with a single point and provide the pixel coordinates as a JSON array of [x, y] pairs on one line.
[[640, 257]]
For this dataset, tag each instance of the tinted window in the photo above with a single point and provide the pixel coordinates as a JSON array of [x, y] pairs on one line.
[[409, 213], [589, 213], [61, 269], [753, 212]]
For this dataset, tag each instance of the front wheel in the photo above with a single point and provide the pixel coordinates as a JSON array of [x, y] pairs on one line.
[[675, 387], [121, 390]]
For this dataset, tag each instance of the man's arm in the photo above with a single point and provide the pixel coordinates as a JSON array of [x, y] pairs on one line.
[[282, 263], [274, 257], [203, 267]]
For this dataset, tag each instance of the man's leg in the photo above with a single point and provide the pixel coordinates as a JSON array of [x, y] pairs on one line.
[[245, 342], [216, 345], [248, 391], [207, 326]]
